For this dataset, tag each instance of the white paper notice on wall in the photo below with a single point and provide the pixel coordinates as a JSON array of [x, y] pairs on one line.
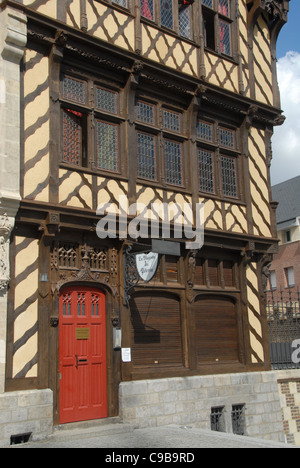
[[126, 354]]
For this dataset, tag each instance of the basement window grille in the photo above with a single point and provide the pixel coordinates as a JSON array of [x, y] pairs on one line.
[[238, 419], [18, 439], [217, 419]]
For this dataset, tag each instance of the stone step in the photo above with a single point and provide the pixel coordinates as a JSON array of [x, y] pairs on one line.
[[88, 429]]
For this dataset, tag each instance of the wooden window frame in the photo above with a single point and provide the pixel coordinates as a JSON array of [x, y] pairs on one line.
[[177, 5], [162, 134], [218, 149], [213, 16], [92, 114]]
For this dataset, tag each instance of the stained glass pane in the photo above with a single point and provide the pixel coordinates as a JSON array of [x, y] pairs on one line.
[[173, 162], [147, 9], [166, 12], [146, 156], [106, 100], [74, 90], [225, 45], [224, 7], [107, 146], [72, 137]]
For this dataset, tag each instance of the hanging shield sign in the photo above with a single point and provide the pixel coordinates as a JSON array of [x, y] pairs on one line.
[[146, 265]]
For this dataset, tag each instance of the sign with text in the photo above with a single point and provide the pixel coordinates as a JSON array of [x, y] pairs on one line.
[[146, 265]]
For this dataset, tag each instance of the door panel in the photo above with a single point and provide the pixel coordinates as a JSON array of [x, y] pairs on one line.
[[82, 355]]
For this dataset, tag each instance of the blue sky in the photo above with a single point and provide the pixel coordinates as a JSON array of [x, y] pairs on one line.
[[286, 139], [289, 35]]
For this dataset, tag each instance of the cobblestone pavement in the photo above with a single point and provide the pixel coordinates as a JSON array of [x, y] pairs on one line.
[[168, 437]]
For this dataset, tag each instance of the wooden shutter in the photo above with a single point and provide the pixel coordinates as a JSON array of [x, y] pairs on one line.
[[216, 329], [156, 330]]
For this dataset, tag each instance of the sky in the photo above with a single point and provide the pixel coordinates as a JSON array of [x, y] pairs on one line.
[[286, 139]]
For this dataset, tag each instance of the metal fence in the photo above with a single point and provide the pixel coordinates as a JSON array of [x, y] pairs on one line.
[[283, 313]]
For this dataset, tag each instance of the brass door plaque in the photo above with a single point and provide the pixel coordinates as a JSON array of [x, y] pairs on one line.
[[82, 333]]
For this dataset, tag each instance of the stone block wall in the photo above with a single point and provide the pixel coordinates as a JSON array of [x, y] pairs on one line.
[[26, 412], [289, 391], [189, 401]]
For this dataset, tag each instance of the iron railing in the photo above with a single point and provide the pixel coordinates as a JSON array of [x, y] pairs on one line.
[[283, 314]]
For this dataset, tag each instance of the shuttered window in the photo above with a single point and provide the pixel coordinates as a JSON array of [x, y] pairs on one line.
[[216, 334], [156, 337]]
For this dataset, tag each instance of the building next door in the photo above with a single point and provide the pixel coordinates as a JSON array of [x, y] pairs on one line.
[[82, 355]]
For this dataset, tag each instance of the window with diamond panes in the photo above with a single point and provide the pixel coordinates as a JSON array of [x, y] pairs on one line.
[[74, 90], [173, 162], [224, 7], [122, 3], [146, 156], [106, 100], [147, 9], [206, 171], [166, 13], [145, 112], [229, 177], [107, 146], [185, 21], [172, 121], [217, 24], [225, 41]]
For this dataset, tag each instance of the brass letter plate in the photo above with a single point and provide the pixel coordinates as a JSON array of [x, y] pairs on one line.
[[82, 333]]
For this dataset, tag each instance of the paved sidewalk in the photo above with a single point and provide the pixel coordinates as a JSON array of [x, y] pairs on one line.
[[122, 436]]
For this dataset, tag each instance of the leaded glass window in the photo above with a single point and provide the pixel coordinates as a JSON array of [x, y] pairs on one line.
[[172, 121], [106, 100], [225, 42], [107, 146], [229, 176], [147, 9], [227, 137], [122, 3], [208, 3], [217, 23], [166, 13], [173, 162], [145, 112], [206, 172], [185, 23], [224, 7], [72, 137], [74, 90], [204, 130], [90, 126], [146, 156]]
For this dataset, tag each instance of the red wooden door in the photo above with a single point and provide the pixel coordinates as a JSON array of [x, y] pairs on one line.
[[82, 355]]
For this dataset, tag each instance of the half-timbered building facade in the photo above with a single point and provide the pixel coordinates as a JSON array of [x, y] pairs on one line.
[[158, 101]]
